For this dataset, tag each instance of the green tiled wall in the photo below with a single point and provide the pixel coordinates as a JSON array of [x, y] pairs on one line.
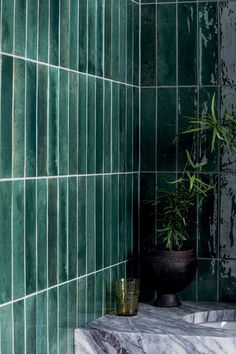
[[69, 155], [188, 54]]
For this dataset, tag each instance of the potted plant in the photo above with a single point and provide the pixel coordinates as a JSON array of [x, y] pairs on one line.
[[172, 262]]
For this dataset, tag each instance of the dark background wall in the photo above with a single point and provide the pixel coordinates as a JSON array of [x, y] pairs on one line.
[[188, 54]]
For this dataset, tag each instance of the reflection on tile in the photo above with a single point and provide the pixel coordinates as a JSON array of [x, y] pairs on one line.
[[207, 280], [227, 290]]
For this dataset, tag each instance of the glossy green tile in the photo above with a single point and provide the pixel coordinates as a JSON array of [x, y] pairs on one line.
[[114, 218], [115, 127], [115, 40], [135, 225], [5, 258], [99, 212], [53, 122], [30, 235], [30, 305], [64, 33], [73, 39], [30, 116], [166, 148], [122, 127], [6, 329], [227, 281], [130, 39], [208, 46], [6, 117], [99, 126], [136, 128], [123, 41], [42, 119], [82, 284], [107, 291], [63, 123], [166, 45], [129, 215], [190, 293], [107, 220], [91, 35], [90, 298], [82, 232], [107, 38], [122, 270], [31, 24], [72, 227], [63, 319], [52, 231], [7, 25], [129, 131], [107, 126], [148, 129], [19, 330], [136, 47], [122, 218], [73, 124], [43, 13], [54, 32], [83, 33], [114, 276], [91, 138], [207, 280], [82, 124], [42, 190], [18, 239], [99, 280], [148, 40], [90, 218], [72, 315], [53, 320], [63, 230], [41, 323], [187, 44], [20, 23]]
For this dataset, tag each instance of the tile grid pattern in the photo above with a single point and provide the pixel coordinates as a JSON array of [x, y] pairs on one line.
[[54, 279], [203, 62]]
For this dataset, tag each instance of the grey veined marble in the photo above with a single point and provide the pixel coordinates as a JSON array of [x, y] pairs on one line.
[[160, 331]]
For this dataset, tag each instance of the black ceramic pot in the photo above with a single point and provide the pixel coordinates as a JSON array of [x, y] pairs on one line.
[[173, 271]]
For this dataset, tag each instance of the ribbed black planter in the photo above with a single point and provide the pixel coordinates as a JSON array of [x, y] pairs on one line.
[[172, 272]]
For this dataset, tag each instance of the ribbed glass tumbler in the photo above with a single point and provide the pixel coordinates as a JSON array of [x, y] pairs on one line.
[[127, 295]]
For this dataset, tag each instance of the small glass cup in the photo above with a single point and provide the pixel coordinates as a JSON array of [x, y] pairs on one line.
[[127, 295]]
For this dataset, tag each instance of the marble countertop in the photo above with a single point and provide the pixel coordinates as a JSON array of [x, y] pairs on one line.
[[160, 331]]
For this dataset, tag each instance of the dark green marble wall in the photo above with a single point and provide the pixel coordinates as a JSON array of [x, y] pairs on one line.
[[69, 110], [188, 54]]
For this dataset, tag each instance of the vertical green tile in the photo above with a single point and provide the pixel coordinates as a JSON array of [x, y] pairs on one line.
[[63, 123], [63, 321], [82, 124], [99, 279], [129, 131], [122, 127], [187, 44], [148, 129], [20, 10], [72, 306], [135, 230], [53, 320], [43, 31], [64, 34], [136, 49], [82, 232], [19, 332], [52, 231], [122, 219], [147, 218], [227, 280], [42, 233], [30, 119], [130, 39], [166, 44], [107, 221], [72, 227], [136, 128], [99, 65], [148, 44], [122, 270], [83, 17], [42, 119], [207, 280], [114, 219], [115, 127], [107, 290], [190, 293], [91, 138], [30, 304], [6, 329], [41, 323], [53, 122], [73, 124], [99, 223], [114, 276], [82, 284], [54, 32], [90, 217], [99, 126], [7, 25], [63, 230], [6, 118], [166, 148], [18, 239], [107, 127], [123, 41], [5, 238], [91, 36], [74, 23], [90, 310], [108, 43], [129, 215], [31, 43], [30, 236], [115, 40]]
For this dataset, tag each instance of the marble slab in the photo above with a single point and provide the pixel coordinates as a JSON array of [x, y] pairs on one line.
[[160, 331]]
